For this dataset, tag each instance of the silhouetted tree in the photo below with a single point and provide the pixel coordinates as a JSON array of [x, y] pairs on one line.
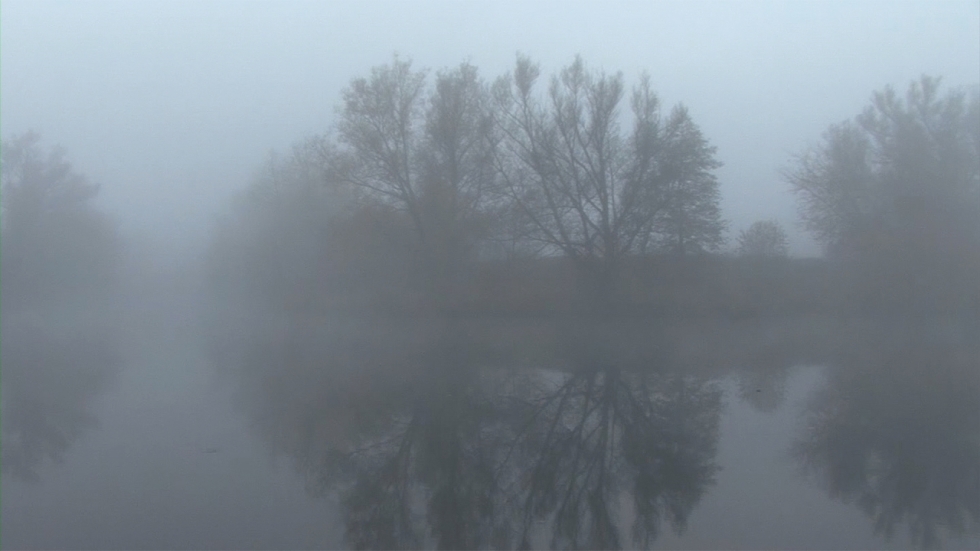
[[691, 221], [898, 164], [590, 190], [765, 238], [425, 152]]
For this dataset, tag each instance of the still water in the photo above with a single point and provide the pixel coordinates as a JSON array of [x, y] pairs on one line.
[[186, 430]]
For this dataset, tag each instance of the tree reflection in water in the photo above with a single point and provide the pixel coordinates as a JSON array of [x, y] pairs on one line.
[[896, 430], [50, 378], [437, 441], [611, 429], [436, 453]]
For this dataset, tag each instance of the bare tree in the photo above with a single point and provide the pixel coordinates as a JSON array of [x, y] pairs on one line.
[[425, 152], [587, 188]]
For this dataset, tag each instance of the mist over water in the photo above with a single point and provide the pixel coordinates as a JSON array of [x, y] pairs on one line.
[[473, 432], [504, 302]]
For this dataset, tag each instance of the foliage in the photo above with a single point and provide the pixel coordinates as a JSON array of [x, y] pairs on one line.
[[896, 194], [58, 271], [55, 244], [903, 174], [691, 220], [296, 240], [765, 238]]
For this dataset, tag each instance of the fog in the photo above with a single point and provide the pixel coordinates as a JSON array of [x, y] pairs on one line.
[[490, 275], [172, 105]]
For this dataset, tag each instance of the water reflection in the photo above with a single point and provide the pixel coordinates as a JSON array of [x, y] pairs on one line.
[[896, 430], [50, 377], [432, 437], [609, 429], [601, 433]]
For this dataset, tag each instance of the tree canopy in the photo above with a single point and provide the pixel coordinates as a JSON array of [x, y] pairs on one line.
[[904, 173], [589, 188], [458, 168], [424, 151], [58, 268], [896, 194], [765, 238], [55, 244]]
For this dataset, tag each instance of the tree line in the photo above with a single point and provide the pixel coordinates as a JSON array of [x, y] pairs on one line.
[[461, 170], [426, 178], [450, 171]]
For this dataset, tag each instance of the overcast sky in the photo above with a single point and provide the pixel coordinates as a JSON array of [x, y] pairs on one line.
[[171, 106]]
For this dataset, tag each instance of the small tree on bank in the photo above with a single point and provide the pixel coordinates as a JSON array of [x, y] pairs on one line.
[[765, 238]]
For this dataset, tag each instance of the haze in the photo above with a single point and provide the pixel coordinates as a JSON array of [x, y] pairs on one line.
[[172, 106], [490, 275]]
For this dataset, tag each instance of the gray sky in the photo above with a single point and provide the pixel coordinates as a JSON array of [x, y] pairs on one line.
[[171, 106]]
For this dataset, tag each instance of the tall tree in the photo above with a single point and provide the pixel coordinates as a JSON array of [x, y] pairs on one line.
[[423, 151], [691, 221], [587, 188]]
